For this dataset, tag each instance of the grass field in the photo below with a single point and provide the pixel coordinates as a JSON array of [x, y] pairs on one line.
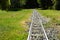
[[54, 16], [12, 24]]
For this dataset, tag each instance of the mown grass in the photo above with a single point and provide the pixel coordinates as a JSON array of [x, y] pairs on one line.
[[12, 24], [54, 16]]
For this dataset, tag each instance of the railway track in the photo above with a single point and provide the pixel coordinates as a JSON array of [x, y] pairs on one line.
[[37, 31]]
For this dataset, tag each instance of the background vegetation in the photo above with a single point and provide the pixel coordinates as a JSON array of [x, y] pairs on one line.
[[18, 4]]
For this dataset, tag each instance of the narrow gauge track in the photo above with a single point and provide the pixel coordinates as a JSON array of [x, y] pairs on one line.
[[37, 31]]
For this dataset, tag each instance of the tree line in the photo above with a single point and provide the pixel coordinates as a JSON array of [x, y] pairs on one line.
[[18, 4]]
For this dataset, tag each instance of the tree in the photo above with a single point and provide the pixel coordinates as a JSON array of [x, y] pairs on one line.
[[15, 4], [57, 5], [4, 4], [31, 4], [45, 4], [50, 3]]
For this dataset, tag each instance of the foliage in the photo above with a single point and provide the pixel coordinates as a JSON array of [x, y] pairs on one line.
[[45, 4], [18, 4], [31, 4], [4, 4], [57, 6], [15, 4]]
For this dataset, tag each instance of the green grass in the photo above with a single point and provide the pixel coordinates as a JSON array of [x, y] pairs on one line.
[[12, 24], [54, 15]]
